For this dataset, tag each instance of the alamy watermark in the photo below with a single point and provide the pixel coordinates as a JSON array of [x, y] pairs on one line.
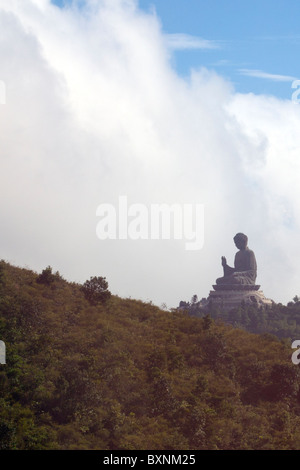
[[2, 353], [296, 354], [157, 222], [2, 92], [296, 94]]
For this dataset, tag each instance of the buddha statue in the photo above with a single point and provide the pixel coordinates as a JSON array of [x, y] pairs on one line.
[[245, 269]]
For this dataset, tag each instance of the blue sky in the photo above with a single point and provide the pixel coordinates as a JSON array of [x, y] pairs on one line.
[[254, 44]]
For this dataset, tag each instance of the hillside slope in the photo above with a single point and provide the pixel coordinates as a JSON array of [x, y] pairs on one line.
[[126, 375], [280, 320]]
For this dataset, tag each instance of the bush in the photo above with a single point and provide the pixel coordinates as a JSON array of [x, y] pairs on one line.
[[96, 290], [46, 277]]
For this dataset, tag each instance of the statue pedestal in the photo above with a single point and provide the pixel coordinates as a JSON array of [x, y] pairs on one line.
[[228, 296]]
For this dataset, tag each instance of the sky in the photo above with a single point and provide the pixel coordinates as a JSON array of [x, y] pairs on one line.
[[254, 43], [163, 102]]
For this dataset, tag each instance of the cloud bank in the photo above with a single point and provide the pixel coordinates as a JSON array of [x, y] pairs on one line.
[[94, 110]]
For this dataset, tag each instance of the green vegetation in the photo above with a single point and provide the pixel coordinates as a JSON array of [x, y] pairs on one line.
[[96, 290], [280, 320], [126, 375], [47, 277]]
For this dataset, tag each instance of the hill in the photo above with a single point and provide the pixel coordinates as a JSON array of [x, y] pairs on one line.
[[280, 320], [123, 374]]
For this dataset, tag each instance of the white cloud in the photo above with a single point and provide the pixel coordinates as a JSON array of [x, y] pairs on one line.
[[93, 111], [185, 41], [267, 76]]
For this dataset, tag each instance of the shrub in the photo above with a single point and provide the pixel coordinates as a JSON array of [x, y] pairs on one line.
[[46, 277], [96, 290]]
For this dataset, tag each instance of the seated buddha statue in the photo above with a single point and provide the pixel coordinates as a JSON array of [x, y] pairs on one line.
[[245, 268]]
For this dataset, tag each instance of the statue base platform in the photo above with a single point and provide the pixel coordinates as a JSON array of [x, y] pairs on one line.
[[236, 287], [228, 296]]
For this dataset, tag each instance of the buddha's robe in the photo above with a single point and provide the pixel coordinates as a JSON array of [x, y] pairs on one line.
[[244, 271]]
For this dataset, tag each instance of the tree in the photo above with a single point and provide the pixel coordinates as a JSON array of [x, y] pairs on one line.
[[2, 275], [284, 381], [207, 322], [96, 290], [46, 277]]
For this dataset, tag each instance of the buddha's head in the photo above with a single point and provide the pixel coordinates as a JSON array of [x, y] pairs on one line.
[[241, 241]]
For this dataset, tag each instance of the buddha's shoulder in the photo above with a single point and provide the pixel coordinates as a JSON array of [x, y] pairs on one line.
[[250, 252]]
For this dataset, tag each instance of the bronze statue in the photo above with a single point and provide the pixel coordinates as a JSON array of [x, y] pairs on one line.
[[245, 268]]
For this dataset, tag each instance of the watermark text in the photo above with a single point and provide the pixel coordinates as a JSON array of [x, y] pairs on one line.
[[296, 354], [157, 222], [2, 353]]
